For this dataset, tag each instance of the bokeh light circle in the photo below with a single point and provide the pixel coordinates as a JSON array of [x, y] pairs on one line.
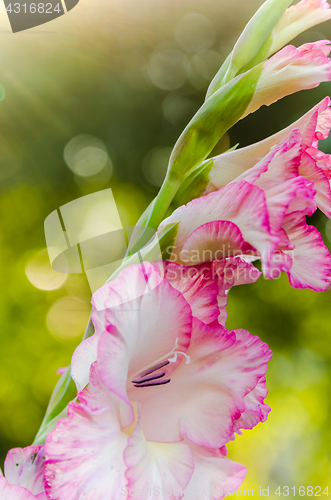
[[195, 32], [39, 272], [86, 155], [68, 317], [207, 63], [167, 69]]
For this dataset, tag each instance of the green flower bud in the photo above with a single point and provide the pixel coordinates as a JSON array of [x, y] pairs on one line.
[[253, 43]]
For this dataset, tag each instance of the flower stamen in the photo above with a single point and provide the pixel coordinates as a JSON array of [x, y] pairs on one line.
[[154, 382], [148, 378], [175, 352], [154, 368]]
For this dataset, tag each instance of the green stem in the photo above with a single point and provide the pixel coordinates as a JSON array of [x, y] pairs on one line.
[[162, 202], [65, 390], [154, 214]]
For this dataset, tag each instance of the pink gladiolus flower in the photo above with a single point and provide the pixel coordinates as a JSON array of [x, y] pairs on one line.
[[261, 213], [290, 70], [204, 288], [166, 393], [24, 474]]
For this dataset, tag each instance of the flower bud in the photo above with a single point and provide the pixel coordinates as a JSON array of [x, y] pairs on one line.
[[255, 34], [299, 18], [291, 70], [295, 20], [215, 117], [250, 42]]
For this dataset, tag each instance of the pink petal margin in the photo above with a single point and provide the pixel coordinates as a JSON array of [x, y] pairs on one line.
[[13, 491], [311, 258], [85, 451]]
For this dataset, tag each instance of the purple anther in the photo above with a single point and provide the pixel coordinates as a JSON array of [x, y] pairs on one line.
[[154, 383], [153, 368], [148, 378]]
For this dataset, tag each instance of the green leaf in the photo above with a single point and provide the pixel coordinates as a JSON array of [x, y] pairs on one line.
[[168, 238], [231, 149], [219, 79], [261, 55], [47, 428], [65, 390], [194, 185]]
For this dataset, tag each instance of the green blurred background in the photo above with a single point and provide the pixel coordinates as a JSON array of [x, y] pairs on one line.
[[131, 73]]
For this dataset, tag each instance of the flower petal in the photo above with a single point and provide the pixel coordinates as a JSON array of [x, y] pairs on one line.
[[205, 396], [14, 492], [290, 70], [131, 284], [296, 194], [83, 357], [236, 271], [311, 258], [199, 285], [299, 18], [232, 272], [213, 241], [138, 338], [85, 451], [166, 467], [214, 476], [25, 467], [313, 126], [255, 409], [279, 165], [323, 125], [279, 262], [206, 286], [249, 213], [139, 329], [310, 170]]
